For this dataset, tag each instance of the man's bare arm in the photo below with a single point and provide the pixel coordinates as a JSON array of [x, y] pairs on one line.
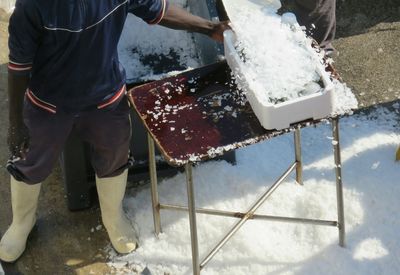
[[179, 19]]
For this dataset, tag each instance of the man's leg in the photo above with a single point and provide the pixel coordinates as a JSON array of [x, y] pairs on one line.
[[24, 198], [319, 17], [48, 133], [111, 191], [108, 133]]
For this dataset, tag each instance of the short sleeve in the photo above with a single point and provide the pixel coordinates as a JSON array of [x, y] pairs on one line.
[[151, 11], [25, 29]]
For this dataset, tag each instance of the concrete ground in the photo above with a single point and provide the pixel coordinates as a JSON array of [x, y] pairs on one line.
[[65, 242]]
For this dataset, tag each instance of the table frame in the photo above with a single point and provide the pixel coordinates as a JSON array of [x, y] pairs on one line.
[[250, 214]]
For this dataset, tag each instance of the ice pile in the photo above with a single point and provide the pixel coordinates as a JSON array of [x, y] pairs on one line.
[[344, 101], [280, 63], [140, 41], [371, 198]]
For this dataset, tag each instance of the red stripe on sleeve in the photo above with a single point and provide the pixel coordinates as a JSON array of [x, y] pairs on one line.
[[112, 99], [18, 67], [161, 15]]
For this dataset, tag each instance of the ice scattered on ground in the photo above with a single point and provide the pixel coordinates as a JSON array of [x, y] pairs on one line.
[[370, 249], [375, 165], [370, 198]]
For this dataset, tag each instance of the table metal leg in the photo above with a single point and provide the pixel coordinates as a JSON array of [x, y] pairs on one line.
[[192, 219], [154, 192], [299, 164], [248, 215], [339, 185]]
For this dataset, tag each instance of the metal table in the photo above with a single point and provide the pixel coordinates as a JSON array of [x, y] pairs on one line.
[[200, 114]]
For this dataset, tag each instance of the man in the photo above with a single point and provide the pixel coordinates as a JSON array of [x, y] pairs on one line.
[[319, 18], [64, 73]]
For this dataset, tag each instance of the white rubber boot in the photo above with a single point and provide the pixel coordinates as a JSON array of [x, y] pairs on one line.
[[24, 200], [111, 193]]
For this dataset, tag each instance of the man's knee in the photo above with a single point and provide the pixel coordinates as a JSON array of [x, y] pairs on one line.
[[114, 170], [28, 175]]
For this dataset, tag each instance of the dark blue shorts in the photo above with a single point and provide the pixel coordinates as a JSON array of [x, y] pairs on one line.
[[107, 131]]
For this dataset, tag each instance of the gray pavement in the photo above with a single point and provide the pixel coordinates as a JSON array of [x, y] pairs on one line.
[[369, 63]]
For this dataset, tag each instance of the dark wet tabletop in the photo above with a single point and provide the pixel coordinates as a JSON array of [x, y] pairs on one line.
[[199, 114]]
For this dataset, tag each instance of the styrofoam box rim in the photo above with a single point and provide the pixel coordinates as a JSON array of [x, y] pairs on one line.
[[280, 115]]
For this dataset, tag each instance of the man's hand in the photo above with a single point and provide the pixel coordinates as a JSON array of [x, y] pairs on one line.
[[17, 139], [218, 31], [180, 19]]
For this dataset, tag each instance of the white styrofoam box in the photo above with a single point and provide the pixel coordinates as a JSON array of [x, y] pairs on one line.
[[279, 116], [276, 4]]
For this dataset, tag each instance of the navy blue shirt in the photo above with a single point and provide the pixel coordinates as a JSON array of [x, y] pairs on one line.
[[69, 48]]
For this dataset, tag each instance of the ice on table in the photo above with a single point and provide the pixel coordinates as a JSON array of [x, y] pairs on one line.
[[279, 61], [152, 52]]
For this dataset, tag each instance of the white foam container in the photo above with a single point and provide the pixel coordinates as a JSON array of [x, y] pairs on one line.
[[279, 116]]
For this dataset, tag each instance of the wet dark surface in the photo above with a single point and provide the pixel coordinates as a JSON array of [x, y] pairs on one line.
[[160, 63], [199, 114]]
